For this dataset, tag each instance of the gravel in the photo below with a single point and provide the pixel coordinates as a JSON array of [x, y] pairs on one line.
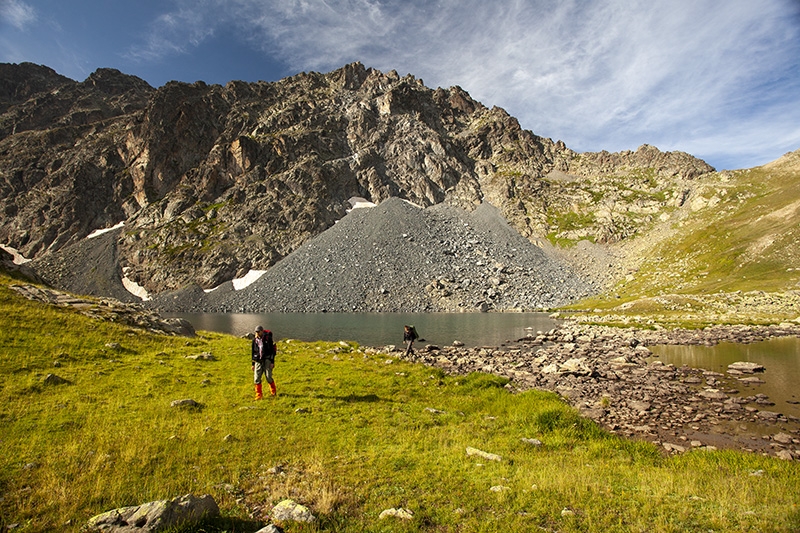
[[398, 257]]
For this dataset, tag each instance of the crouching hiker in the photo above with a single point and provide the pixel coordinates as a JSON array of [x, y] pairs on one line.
[[409, 336], [263, 360]]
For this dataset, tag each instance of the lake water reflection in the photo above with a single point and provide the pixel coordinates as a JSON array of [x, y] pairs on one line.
[[380, 329], [780, 357]]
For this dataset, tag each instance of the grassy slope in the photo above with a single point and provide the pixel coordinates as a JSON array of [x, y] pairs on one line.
[[352, 434], [748, 241]]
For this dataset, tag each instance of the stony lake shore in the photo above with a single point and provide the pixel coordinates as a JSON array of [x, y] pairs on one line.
[[611, 376]]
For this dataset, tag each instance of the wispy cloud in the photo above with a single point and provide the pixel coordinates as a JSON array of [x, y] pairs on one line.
[[17, 13], [684, 74]]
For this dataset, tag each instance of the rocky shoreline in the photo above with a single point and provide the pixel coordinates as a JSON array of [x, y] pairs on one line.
[[609, 374]]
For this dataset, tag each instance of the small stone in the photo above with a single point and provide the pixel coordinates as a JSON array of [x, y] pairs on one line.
[[673, 447], [486, 455], [52, 379], [187, 402], [205, 356], [786, 455], [402, 514], [499, 488], [782, 438], [271, 528], [639, 406], [751, 380], [713, 394]]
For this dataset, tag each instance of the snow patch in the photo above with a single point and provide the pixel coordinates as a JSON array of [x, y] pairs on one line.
[[409, 202], [358, 202], [19, 259], [250, 277], [98, 232], [133, 287]]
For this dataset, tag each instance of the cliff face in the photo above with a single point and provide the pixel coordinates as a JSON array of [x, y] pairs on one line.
[[213, 181]]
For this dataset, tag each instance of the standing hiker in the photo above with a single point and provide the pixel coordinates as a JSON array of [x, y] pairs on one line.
[[409, 336], [263, 360]]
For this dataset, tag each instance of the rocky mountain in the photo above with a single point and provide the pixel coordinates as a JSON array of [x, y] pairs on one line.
[[214, 181]]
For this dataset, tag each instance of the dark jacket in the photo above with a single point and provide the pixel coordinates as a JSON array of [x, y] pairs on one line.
[[267, 352]]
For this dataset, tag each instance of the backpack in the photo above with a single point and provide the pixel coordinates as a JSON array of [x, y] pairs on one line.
[[270, 346], [413, 331]]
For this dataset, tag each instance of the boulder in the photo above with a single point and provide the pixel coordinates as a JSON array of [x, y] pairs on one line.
[[746, 367], [291, 511], [154, 516]]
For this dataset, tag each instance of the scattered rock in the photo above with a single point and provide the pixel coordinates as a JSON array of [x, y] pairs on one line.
[[639, 406], [187, 402], [291, 511], [673, 447], [402, 514], [623, 382], [786, 455], [52, 379], [751, 380], [205, 356], [488, 456], [130, 314], [746, 367], [713, 394], [271, 528]]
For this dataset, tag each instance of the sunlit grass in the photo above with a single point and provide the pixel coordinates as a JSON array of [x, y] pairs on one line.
[[350, 434]]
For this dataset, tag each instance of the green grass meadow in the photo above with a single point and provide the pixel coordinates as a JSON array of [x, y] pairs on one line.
[[350, 434]]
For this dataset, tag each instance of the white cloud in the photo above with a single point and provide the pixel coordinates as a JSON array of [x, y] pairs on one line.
[[610, 74], [17, 13]]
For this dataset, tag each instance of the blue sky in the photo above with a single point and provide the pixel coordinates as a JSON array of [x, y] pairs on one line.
[[719, 79]]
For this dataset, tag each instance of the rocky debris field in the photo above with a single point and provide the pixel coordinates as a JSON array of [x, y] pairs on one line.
[[611, 376], [398, 257], [89, 266], [108, 309]]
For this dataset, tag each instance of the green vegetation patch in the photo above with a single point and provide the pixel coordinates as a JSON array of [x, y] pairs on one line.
[[351, 433]]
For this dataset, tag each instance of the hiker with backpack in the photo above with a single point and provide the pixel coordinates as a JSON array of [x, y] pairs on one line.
[[263, 358], [409, 336]]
